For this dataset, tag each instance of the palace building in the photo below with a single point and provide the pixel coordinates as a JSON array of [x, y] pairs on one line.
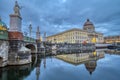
[[112, 39], [76, 35]]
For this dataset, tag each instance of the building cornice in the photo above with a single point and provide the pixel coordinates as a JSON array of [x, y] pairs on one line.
[[73, 29]]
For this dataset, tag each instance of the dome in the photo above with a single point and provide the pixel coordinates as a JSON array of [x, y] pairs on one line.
[[89, 26], [2, 25], [91, 66], [88, 23]]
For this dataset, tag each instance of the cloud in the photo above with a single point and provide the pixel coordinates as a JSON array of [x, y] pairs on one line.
[[54, 16]]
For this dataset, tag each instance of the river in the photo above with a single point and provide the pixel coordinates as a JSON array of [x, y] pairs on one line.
[[52, 68]]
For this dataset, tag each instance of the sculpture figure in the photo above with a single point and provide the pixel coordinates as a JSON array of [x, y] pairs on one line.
[[17, 8]]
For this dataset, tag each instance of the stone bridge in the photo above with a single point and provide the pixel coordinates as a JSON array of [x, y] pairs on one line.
[[31, 44], [3, 53]]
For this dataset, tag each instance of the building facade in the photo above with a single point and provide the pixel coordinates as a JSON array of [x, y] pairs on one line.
[[93, 36], [70, 36], [112, 39], [75, 35], [4, 45]]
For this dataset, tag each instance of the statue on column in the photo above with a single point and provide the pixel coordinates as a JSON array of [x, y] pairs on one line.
[[17, 8], [0, 18]]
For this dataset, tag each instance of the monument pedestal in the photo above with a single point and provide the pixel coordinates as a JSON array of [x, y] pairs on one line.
[[16, 40]]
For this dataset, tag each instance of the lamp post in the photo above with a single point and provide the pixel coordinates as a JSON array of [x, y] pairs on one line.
[[30, 30], [44, 36], [25, 33]]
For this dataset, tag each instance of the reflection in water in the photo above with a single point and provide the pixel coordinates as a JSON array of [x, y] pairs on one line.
[[88, 59], [44, 62], [19, 72], [37, 72], [91, 66], [15, 73], [38, 67], [57, 69], [80, 58], [114, 52]]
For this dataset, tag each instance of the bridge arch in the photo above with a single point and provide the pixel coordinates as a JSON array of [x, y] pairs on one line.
[[32, 47]]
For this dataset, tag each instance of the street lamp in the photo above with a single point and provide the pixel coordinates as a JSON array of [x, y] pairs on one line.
[[25, 33], [30, 30], [44, 36]]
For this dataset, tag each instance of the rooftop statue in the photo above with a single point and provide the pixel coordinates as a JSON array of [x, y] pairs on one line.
[[17, 8]]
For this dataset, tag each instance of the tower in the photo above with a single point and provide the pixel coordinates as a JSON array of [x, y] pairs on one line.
[[38, 33], [30, 29], [38, 40], [15, 24], [15, 34], [15, 19]]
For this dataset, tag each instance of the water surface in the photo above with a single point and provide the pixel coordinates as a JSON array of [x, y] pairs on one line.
[[51, 68]]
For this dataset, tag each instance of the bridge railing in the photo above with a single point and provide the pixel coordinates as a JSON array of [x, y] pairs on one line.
[[29, 39]]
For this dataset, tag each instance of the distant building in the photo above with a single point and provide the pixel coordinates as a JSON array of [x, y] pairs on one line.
[[75, 35], [3, 30], [112, 39], [70, 36]]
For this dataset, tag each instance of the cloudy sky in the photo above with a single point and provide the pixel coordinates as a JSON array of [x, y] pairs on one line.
[[54, 16]]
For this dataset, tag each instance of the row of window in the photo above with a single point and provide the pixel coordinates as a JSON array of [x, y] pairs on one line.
[[74, 33]]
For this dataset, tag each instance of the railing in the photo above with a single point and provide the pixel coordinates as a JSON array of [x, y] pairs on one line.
[[29, 39]]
